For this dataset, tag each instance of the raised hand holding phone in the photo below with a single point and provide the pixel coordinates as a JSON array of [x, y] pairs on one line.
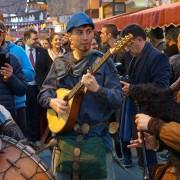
[[6, 69]]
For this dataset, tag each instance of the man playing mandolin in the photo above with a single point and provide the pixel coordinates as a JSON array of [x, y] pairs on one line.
[[86, 146]]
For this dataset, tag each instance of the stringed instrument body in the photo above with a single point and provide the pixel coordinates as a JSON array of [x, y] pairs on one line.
[[65, 122]]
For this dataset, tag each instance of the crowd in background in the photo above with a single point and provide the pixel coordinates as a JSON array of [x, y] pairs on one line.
[[31, 59]]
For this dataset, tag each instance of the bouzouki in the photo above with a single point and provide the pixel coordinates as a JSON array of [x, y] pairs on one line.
[[65, 122]]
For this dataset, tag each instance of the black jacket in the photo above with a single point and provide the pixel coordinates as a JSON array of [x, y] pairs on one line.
[[14, 86], [42, 65]]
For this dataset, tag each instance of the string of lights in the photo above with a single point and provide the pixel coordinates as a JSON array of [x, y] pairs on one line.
[[24, 15], [19, 16]]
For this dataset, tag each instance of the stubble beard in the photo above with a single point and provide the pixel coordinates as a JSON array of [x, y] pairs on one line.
[[84, 48]]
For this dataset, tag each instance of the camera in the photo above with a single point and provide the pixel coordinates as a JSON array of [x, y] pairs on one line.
[[124, 78], [119, 67]]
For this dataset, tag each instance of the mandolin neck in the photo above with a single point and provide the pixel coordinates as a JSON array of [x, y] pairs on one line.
[[93, 70], [100, 62], [75, 90]]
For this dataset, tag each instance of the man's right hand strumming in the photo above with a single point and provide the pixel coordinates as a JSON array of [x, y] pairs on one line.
[[58, 105]]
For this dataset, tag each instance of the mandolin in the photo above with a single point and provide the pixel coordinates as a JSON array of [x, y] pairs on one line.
[[65, 122]]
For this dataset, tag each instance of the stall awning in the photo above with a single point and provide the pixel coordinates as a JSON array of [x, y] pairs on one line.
[[148, 18]]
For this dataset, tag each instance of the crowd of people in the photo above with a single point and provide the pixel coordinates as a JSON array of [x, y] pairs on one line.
[[137, 89]]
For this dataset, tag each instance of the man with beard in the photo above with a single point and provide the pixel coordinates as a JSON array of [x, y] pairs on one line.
[[102, 97], [148, 65]]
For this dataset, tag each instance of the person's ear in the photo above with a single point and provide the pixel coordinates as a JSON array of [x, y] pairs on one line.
[[109, 35], [70, 39]]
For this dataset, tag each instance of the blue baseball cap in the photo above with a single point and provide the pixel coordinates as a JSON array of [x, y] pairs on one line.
[[79, 19]]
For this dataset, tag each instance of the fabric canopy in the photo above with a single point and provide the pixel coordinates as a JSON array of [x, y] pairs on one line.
[[149, 18]]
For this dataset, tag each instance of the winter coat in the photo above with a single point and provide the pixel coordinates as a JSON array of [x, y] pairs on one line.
[[151, 66]]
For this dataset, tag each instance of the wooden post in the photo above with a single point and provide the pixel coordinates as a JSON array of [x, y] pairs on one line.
[[1, 17]]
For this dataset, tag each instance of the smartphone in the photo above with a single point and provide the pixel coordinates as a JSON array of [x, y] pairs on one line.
[[3, 59], [125, 79]]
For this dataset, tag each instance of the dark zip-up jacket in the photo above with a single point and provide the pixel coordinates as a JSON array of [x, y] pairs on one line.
[[15, 85]]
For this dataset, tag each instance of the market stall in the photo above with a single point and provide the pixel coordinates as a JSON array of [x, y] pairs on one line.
[[149, 18]]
